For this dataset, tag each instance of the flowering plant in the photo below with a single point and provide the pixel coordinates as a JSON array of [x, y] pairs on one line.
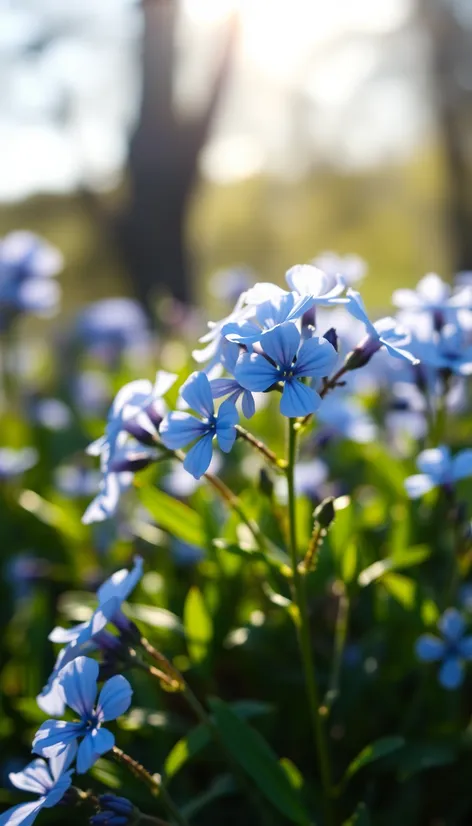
[[301, 635]]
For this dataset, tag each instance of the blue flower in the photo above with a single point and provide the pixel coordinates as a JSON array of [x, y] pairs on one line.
[[280, 308], [346, 416], [113, 325], [438, 468], [89, 635], [15, 462], [325, 288], [446, 349], [230, 387], [50, 782], [216, 344], [78, 682], [451, 650], [179, 429], [285, 361], [433, 295], [351, 268], [114, 811], [384, 333], [27, 264]]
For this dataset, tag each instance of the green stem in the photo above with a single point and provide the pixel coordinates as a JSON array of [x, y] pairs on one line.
[[261, 447], [303, 629], [329, 384], [153, 783], [340, 636]]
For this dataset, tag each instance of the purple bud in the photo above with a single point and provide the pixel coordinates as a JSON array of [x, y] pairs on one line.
[[309, 318], [332, 336], [119, 805], [132, 462], [363, 353], [139, 433], [125, 626]]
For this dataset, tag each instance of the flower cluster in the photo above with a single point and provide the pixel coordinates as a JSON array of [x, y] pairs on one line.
[[27, 266]]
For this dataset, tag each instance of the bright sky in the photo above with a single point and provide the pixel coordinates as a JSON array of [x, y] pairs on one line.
[[64, 114]]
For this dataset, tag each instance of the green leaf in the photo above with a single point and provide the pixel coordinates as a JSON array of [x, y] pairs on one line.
[[360, 817], [418, 757], [221, 786], [373, 752], [198, 626], [155, 616], [200, 736], [399, 561], [349, 563], [173, 516], [401, 588], [186, 748], [272, 555], [256, 757], [293, 773]]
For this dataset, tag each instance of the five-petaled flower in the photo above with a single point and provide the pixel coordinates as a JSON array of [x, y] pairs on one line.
[[179, 429], [450, 651], [78, 682], [438, 469], [287, 361], [50, 782]]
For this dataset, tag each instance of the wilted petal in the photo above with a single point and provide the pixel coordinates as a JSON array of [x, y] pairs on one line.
[[196, 391], [298, 399], [114, 699], [430, 648]]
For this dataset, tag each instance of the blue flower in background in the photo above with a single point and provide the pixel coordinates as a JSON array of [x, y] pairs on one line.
[[345, 416], [78, 481], [447, 349], [450, 651], [323, 287], [284, 360], [50, 782], [384, 333], [433, 295], [113, 325], [15, 462], [351, 268], [27, 266], [438, 468], [78, 682], [179, 429]]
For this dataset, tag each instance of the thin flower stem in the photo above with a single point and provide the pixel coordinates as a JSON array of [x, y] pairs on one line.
[[261, 447], [329, 384], [152, 782], [231, 500], [340, 636], [303, 629]]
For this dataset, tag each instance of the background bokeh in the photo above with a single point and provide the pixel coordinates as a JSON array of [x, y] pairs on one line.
[[157, 142]]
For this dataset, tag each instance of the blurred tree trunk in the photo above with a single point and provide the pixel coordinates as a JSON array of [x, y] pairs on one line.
[[162, 163], [450, 54]]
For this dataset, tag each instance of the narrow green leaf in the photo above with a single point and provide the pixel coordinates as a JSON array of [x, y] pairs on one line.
[[360, 817], [272, 555], [349, 563], [156, 617], [256, 757], [397, 562], [221, 786], [401, 588], [373, 752], [186, 748], [173, 516], [198, 626], [293, 773]]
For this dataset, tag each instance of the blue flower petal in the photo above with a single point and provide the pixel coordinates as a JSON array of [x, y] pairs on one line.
[[223, 387], [58, 791], [196, 391], [24, 814], [281, 345], [356, 307], [430, 648], [54, 736], [178, 429], [198, 458], [399, 352], [34, 778], [94, 744], [79, 684], [248, 404], [61, 762], [225, 425], [115, 698], [435, 462], [465, 648], [254, 372], [298, 399], [451, 673], [462, 464], [244, 332], [316, 358], [418, 484], [120, 584], [452, 625]]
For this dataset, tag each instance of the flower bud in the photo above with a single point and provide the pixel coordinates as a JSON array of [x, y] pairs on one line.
[[115, 811], [332, 336], [325, 513], [362, 354]]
